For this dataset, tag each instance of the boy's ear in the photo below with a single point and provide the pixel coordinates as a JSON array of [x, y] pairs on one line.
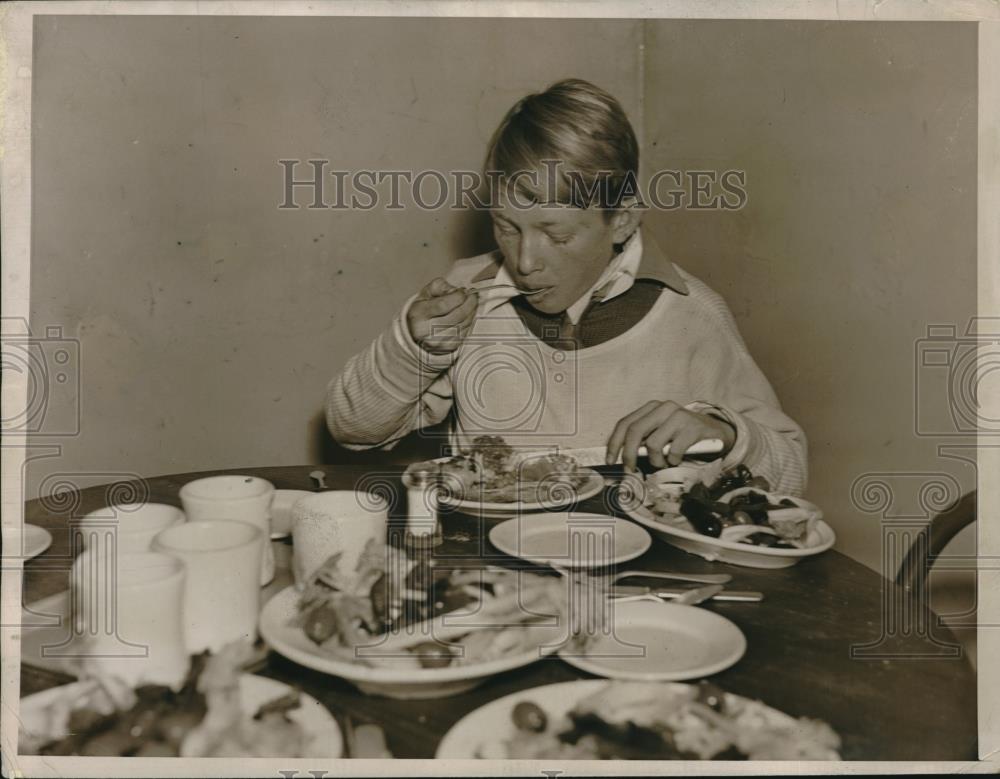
[[625, 220]]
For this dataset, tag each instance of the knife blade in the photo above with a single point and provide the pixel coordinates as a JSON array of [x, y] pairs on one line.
[[699, 594], [669, 593], [597, 455]]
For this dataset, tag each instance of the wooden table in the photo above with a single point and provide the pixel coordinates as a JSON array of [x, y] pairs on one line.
[[799, 656]]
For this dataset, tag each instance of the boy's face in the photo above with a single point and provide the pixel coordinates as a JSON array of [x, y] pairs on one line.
[[556, 249]]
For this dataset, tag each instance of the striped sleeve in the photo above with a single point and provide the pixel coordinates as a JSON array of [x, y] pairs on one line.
[[395, 387], [389, 390]]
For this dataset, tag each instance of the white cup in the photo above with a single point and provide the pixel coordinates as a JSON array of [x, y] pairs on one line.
[[326, 523], [133, 525], [222, 589], [241, 498], [128, 610]]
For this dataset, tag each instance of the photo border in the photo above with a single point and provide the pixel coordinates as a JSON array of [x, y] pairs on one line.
[[15, 189]]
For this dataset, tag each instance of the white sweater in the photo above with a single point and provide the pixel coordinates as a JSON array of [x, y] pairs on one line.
[[505, 381]]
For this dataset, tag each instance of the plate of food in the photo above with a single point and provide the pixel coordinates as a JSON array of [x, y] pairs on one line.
[[491, 479], [218, 712], [624, 720], [403, 628], [729, 516], [571, 539], [655, 641]]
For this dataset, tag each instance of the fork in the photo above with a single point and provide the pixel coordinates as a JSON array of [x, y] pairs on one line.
[[501, 285]]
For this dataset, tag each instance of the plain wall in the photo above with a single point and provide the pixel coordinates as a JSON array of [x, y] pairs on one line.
[[210, 320], [859, 145]]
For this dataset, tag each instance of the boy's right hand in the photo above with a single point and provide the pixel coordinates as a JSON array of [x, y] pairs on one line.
[[441, 316]]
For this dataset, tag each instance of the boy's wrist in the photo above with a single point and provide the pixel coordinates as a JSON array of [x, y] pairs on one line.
[[735, 445], [729, 435]]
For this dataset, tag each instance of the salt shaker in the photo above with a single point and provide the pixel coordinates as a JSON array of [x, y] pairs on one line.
[[423, 530]]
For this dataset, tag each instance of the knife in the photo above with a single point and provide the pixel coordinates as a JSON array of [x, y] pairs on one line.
[[669, 593], [597, 455]]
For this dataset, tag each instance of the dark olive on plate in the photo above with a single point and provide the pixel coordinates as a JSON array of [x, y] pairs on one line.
[[529, 716], [433, 655], [704, 521], [741, 518], [711, 695], [321, 623]]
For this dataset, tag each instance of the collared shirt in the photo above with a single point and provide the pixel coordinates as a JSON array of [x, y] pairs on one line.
[[622, 295], [616, 279]]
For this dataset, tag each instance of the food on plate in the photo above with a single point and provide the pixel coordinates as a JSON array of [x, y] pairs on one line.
[[642, 721], [226, 730], [398, 612], [491, 470], [205, 718], [731, 505]]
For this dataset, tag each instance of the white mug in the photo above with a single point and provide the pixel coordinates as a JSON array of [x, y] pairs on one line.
[[241, 498], [128, 610], [222, 589], [132, 525], [326, 523]]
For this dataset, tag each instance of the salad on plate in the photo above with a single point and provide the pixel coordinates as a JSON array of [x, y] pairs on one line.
[[733, 506], [398, 612], [621, 720], [208, 716]]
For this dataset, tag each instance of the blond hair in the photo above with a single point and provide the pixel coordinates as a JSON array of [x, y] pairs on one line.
[[579, 134]]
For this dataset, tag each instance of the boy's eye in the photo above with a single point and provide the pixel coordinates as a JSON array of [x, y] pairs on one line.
[[560, 239], [503, 227]]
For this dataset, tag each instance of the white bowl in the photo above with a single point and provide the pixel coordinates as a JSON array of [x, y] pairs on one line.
[[713, 549], [651, 640], [571, 539], [291, 641]]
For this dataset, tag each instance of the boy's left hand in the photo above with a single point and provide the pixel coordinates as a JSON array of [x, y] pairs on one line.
[[659, 423]]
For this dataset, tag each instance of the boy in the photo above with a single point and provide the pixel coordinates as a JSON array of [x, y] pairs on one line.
[[576, 331]]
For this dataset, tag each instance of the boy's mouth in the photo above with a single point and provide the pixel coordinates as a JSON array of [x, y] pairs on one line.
[[534, 294]]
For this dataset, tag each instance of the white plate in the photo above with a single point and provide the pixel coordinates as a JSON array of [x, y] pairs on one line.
[[713, 549], [281, 511], [656, 641], [571, 540], [483, 733], [35, 540], [322, 732], [563, 497], [291, 641]]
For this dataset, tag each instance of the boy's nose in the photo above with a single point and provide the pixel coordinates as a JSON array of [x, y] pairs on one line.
[[528, 259]]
